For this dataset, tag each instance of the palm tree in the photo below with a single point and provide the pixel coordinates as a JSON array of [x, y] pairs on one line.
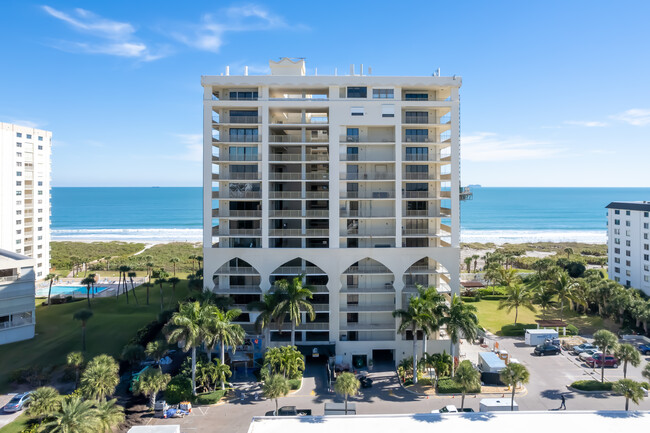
[[132, 275], [218, 327], [75, 416], [107, 259], [100, 378], [628, 353], [156, 350], [185, 327], [192, 257], [109, 414], [428, 361], [173, 281], [468, 263], [150, 264], [415, 317], [347, 385], [507, 277], [568, 251], [51, 278], [545, 298], [605, 341], [646, 371], [443, 364], [162, 278], [513, 374], [147, 285], [173, 261], [274, 388], [74, 260], [475, 257], [562, 284], [518, 296], [467, 378], [461, 322], [43, 402], [629, 389], [150, 383], [293, 362], [123, 271], [266, 307], [88, 282], [75, 360], [220, 372], [83, 316], [292, 299], [435, 304]]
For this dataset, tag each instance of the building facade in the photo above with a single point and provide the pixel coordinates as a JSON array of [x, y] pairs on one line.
[[17, 303], [351, 181], [25, 193], [628, 243]]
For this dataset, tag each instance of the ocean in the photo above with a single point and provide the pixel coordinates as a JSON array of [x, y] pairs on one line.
[[493, 215]]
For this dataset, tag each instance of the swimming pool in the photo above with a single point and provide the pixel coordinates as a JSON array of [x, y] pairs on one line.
[[68, 290]]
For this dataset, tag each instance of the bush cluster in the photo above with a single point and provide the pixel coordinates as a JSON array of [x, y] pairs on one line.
[[179, 389], [210, 397], [518, 330], [450, 386], [592, 385], [294, 383]]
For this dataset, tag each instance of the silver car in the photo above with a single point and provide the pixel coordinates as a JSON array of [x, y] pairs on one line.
[[17, 402], [582, 347]]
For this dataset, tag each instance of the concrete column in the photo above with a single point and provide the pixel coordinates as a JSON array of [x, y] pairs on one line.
[[264, 168]]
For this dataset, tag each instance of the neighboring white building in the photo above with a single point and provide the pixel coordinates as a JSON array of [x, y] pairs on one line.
[[628, 243], [17, 303], [351, 180], [25, 193]]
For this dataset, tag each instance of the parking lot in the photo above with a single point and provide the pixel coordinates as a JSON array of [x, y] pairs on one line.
[[550, 376]]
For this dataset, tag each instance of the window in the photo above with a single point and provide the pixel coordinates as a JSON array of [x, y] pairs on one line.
[[617, 222], [40, 147], [40, 229], [646, 225], [627, 224], [628, 273], [617, 260], [19, 202], [19, 134], [19, 183], [617, 279], [627, 212], [387, 110], [628, 253], [19, 193], [383, 93], [646, 257], [19, 173], [352, 135], [627, 233], [417, 135], [40, 183], [416, 96], [645, 214], [646, 278], [617, 231], [19, 164], [628, 263], [29, 136], [357, 92], [19, 144], [244, 96], [617, 270], [356, 111], [19, 154], [645, 236], [617, 241], [416, 117], [40, 220], [40, 192], [18, 241], [18, 232], [617, 212], [19, 212], [617, 250], [646, 268], [18, 222], [243, 134], [628, 243], [40, 138], [40, 256], [646, 247]]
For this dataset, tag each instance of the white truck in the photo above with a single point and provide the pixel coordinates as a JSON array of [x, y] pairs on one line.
[[496, 405], [535, 337]]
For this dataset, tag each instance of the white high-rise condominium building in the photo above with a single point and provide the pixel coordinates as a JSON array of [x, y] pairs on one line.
[[17, 290], [628, 243], [25, 193], [351, 181]]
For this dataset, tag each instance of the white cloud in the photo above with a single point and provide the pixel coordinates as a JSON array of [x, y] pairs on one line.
[[113, 37], [488, 146], [635, 116], [193, 147], [586, 123], [208, 34]]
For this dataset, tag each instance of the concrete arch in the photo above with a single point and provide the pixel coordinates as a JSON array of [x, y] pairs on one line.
[[420, 272], [242, 268], [290, 268]]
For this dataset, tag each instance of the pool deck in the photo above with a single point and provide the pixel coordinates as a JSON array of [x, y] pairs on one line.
[[108, 287]]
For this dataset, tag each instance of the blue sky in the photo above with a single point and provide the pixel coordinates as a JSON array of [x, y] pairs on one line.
[[554, 93]]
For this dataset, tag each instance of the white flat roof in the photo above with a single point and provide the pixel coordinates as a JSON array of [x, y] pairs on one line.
[[176, 428], [485, 422]]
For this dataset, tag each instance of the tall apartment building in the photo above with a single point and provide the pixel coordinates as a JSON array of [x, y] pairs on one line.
[[351, 181], [628, 243], [17, 303], [25, 193]]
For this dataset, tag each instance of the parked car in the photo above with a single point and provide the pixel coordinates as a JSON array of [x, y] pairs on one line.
[[450, 408], [547, 349], [597, 360], [582, 347], [587, 354], [17, 402], [645, 349]]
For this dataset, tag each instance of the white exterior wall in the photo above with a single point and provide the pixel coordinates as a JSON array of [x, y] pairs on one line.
[[17, 303], [25, 208], [337, 258], [634, 269]]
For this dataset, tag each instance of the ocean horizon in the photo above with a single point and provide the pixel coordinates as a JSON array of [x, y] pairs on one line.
[[495, 214]]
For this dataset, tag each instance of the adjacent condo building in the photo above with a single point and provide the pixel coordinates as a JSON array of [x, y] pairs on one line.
[[628, 243], [25, 193], [350, 181], [17, 289]]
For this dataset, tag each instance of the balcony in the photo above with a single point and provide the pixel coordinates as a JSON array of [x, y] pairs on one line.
[[366, 213], [363, 139], [306, 326], [318, 175], [299, 232], [418, 139], [368, 326], [299, 120], [233, 195], [237, 176], [237, 139], [298, 195], [370, 157], [8, 279], [226, 213], [365, 308], [423, 213], [367, 195], [410, 157], [236, 158], [367, 269], [237, 119], [236, 270], [297, 139], [296, 157], [216, 231], [420, 232], [298, 270], [246, 289], [422, 270], [368, 176], [420, 194], [419, 176], [368, 232]]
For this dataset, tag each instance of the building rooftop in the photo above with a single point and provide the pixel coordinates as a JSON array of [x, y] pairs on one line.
[[630, 205], [485, 422], [8, 258]]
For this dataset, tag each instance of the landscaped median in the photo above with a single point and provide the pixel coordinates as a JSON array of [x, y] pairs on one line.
[[588, 386]]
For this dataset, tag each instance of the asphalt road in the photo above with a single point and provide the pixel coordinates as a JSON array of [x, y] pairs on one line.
[[6, 418]]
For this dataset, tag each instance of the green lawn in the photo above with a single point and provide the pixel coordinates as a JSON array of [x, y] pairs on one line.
[[57, 334], [18, 425], [493, 319]]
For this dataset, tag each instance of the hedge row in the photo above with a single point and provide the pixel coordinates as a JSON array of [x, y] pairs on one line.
[[295, 383], [450, 386], [210, 397], [592, 385]]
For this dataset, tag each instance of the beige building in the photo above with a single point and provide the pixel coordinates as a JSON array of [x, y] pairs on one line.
[[25, 193], [350, 180]]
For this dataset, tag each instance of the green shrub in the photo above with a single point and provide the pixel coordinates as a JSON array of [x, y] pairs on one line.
[[450, 386], [592, 385], [497, 290], [571, 330], [179, 389], [518, 330], [493, 297], [426, 381], [295, 383], [470, 298], [210, 397]]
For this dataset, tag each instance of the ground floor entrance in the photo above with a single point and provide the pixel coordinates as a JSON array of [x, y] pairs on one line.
[[383, 356]]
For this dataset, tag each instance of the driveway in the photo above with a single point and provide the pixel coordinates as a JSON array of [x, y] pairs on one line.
[[6, 418]]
